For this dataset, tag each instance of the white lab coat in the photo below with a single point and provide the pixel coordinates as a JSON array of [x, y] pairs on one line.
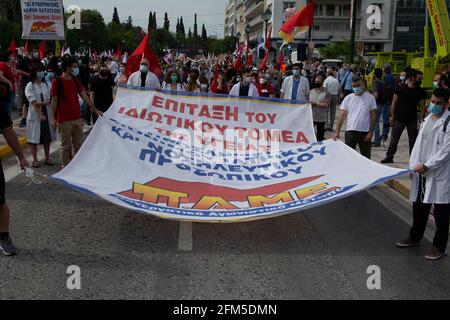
[[33, 93], [252, 92], [151, 82], [437, 189], [303, 89]]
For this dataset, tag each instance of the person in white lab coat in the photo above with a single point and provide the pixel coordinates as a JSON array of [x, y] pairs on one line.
[[38, 119], [296, 87], [144, 78], [430, 161], [245, 88]]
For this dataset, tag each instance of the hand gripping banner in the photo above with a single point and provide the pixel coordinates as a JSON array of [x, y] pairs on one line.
[[215, 159]]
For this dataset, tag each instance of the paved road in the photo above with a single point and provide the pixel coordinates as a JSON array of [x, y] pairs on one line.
[[320, 254]]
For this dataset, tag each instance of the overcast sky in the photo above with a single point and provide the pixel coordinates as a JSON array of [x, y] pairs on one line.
[[210, 12]]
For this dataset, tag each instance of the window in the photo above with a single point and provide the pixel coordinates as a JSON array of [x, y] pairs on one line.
[[346, 10], [288, 5], [331, 8]]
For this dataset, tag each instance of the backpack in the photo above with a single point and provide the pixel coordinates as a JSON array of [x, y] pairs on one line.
[[383, 97]]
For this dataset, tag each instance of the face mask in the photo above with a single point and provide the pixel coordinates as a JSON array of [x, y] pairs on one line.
[[238, 79], [75, 72], [35, 55], [418, 84], [143, 68], [402, 78], [40, 75], [122, 69], [268, 76], [189, 80], [435, 109], [247, 80], [262, 81], [174, 79], [50, 75], [204, 87], [358, 90], [435, 84], [296, 73]]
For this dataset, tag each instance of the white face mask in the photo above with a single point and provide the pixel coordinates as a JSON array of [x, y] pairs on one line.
[[262, 81]]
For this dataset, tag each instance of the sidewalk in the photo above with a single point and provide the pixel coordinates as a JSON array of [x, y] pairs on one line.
[[5, 150], [403, 184]]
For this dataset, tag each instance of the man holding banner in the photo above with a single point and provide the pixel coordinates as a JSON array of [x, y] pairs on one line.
[[360, 110]]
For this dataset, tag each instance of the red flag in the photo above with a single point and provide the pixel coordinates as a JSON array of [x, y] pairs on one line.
[[266, 56], [143, 51], [12, 47], [214, 83], [250, 59], [26, 48], [42, 50], [300, 22], [281, 58], [119, 54], [237, 64]]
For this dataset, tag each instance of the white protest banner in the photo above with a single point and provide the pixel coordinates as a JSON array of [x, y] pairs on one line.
[[42, 20], [146, 166]]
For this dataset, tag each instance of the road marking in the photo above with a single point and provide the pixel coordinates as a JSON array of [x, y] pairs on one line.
[[185, 236]]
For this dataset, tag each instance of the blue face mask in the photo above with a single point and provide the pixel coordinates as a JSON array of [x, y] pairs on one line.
[[435, 109], [296, 73], [75, 72], [50, 75], [40, 75], [358, 90], [143, 68]]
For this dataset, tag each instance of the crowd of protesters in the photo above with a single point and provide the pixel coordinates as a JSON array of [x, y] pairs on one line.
[[58, 94]]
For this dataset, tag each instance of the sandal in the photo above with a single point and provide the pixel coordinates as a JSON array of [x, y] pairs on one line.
[[50, 163], [36, 164]]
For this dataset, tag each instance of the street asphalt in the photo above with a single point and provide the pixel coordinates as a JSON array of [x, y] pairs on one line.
[[322, 253]]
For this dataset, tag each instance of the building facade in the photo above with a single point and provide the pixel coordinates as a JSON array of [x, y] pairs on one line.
[[410, 23], [375, 25]]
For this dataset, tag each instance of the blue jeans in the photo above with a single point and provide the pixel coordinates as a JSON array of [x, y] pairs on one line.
[[383, 113]]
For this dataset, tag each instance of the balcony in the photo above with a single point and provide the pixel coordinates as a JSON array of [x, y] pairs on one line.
[[254, 8]]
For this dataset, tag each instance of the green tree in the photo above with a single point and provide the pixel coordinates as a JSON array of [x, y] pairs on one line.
[[129, 23], [150, 21], [166, 22], [13, 10], [204, 34], [182, 29], [9, 29], [155, 25], [115, 18], [335, 51], [94, 31]]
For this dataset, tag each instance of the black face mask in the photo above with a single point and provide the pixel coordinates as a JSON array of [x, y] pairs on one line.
[[103, 73], [418, 84]]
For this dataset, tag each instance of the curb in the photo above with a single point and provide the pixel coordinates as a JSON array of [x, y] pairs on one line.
[[399, 187], [6, 151]]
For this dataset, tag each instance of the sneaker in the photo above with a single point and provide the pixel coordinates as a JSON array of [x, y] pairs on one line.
[[435, 254], [8, 247], [407, 243], [387, 160], [23, 123], [376, 145]]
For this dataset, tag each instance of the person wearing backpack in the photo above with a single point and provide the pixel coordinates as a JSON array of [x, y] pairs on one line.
[[430, 161], [382, 96], [66, 108]]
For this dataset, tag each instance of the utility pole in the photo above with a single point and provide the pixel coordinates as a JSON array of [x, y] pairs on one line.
[[353, 31]]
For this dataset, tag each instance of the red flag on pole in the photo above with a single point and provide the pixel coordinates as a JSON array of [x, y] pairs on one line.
[[12, 47], [214, 83], [42, 50], [26, 48], [237, 64], [266, 56], [281, 57], [298, 23], [250, 59], [119, 54], [143, 51]]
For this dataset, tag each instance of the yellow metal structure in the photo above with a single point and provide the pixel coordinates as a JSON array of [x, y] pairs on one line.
[[430, 66]]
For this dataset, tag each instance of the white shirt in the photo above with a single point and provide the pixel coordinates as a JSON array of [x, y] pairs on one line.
[[167, 86], [152, 81], [252, 92], [358, 110], [33, 92], [303, 88], [332, 85]]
